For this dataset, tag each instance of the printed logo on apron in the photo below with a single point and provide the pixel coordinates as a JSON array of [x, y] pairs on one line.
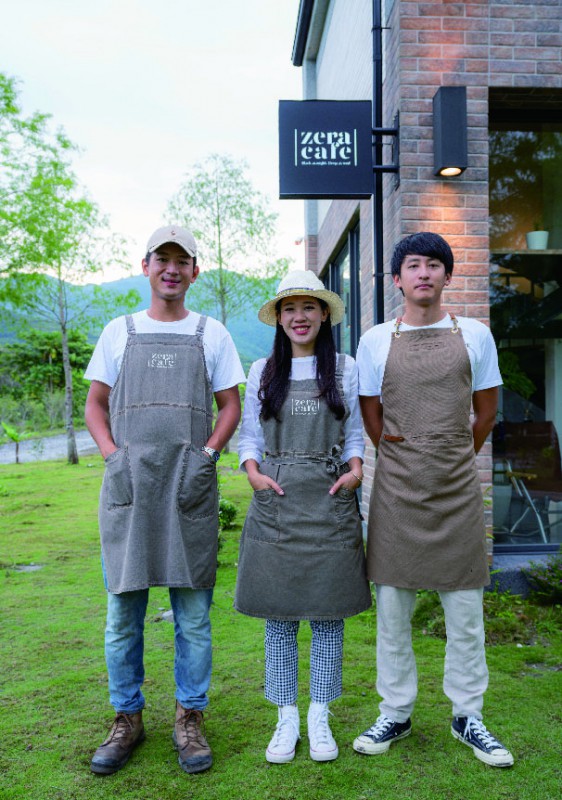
[[162, 361], [305, 407], [426, 346]]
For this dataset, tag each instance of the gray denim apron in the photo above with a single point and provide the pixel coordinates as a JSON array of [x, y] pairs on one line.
[[426, 517], [301, 554], [158, 505]]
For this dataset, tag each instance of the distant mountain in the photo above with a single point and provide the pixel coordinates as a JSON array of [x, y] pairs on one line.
[[252, 338]]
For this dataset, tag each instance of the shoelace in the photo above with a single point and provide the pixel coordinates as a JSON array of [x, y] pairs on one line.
[[478, 729], [285, 732], [381, 726], [321, 729], [121, 728], [189, 723]]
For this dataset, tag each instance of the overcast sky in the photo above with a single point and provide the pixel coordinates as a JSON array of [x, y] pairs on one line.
[[146, 89]]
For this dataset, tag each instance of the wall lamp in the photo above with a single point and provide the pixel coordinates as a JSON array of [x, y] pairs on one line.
[[450, 152]]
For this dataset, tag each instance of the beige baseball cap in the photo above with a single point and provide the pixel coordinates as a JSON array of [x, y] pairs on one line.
[[173, 233]]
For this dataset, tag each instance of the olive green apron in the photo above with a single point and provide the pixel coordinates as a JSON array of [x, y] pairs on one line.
[[301, 554], [158, 511], [426, 516]]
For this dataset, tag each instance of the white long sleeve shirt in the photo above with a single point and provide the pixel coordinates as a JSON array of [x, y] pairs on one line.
[[251, 443]]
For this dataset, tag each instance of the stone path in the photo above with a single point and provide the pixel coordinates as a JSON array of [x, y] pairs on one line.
[[47, 449]]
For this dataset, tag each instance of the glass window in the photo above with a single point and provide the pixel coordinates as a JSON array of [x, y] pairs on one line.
[[526, 314], [342, 277]]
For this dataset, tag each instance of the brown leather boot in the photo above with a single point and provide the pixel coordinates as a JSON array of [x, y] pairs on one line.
[[194, 754], [127, 731]]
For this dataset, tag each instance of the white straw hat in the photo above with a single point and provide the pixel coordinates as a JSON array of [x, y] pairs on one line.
[[302, 282]]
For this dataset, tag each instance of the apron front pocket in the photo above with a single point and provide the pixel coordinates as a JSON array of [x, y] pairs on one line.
[[117, 481], [262, 520], [197, 491], [347, 516]]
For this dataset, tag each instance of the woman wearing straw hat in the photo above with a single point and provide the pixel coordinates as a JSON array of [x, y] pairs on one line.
[[301, 551]]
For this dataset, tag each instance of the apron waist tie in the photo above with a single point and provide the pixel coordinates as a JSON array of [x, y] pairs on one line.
[[333, 460]]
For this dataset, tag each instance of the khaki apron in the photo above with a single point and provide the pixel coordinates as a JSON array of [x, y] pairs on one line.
[[301, 554], [159, 505], [426, 516]]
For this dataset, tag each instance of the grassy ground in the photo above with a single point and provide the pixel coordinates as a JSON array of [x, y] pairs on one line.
[[53, 693]]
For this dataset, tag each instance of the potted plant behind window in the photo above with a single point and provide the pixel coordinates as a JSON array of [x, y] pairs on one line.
[[538, 238]]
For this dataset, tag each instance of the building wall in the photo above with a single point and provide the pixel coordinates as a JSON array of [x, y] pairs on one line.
[[346, 42], [476, 44]]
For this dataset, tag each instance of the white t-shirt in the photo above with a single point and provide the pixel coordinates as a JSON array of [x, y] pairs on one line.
[[374, 347], [223, 363], [251, 443]]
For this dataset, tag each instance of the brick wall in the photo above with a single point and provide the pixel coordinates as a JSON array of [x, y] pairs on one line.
[[477, 44]]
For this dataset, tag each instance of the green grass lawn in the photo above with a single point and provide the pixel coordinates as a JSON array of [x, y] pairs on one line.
[[54, 710]]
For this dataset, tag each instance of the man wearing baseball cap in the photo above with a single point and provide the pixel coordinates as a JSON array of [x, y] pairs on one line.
[[150, 411]]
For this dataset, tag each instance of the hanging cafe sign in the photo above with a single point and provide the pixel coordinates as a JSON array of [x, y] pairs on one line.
[[325, 149]]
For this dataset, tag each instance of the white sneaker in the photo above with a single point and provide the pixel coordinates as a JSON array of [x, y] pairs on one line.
[[281, 748], [322, 744]]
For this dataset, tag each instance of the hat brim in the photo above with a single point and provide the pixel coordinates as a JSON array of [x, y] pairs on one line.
[[189, 250], [268, 314]]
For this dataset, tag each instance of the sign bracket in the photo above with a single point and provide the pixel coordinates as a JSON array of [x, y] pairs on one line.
[[378, 134]]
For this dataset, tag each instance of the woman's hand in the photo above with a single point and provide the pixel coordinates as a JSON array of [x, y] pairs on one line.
[[351, 480], [258, 480]]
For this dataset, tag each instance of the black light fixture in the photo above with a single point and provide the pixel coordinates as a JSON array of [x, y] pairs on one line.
[[449, 131]]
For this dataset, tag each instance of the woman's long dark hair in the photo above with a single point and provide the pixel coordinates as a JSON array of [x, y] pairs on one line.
[[274, 384]]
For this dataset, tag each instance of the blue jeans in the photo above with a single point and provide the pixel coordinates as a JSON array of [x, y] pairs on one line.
[[124, 647]]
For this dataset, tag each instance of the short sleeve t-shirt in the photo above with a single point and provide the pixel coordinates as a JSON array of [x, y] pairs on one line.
[[223, 363], [374, 347]]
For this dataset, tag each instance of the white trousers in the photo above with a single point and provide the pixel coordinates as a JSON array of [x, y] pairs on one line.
[[465, 678]]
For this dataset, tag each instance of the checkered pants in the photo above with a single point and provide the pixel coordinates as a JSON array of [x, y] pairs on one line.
[[281, 661]]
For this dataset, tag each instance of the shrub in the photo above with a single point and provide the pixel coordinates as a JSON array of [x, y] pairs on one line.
[[505, 618], [545, 580], [428, 614], [227, 514]]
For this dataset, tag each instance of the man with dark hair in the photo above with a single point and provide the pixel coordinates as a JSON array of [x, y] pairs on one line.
[[418, 376], [150, 411], [422, 244]]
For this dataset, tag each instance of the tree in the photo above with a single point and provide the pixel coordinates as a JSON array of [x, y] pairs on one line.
[[15, 436], [31, 367], [233, 226], [56, 237], [23, 141]]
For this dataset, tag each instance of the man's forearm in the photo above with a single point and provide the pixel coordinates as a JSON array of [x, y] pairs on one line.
[[228, 417], [96, 414], [226, 423], [484, 404]]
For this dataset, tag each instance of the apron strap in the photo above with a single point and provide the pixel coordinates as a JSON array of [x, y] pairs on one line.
[[130, 324], [201, 326], [398, 322]]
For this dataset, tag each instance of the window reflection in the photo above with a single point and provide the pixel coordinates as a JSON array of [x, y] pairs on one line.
[[526, 320], [343, 277]]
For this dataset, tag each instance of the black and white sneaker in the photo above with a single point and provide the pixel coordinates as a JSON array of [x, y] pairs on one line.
[[381, 735], [486, 747]]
